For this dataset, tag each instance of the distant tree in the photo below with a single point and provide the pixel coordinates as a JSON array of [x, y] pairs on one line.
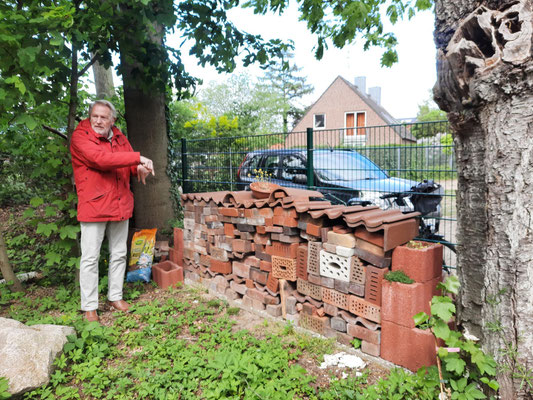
[[428, 112], [282, 77]]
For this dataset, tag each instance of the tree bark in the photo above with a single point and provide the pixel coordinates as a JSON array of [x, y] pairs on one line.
[[103, 81], [5, 267], [485, 82], [147, 131]]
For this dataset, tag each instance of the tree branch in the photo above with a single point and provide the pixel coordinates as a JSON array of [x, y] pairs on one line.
[[84, 69], [53, 130]]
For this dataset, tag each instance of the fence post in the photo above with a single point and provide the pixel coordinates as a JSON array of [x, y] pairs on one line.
[[184, 166], [310, 162]]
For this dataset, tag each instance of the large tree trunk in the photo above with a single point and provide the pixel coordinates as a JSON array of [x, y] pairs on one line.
[[103, 81], [147, 132], [485, 81]]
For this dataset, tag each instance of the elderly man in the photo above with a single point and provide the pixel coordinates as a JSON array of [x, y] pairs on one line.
[[103, 160]]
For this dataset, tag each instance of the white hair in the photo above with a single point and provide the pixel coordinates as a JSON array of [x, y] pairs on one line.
[[106, 103]]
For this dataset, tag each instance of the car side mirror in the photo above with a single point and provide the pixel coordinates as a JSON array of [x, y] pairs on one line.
[[300, 178]]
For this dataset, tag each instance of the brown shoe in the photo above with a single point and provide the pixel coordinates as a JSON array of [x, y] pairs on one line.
[[119, 305], [91, 316]]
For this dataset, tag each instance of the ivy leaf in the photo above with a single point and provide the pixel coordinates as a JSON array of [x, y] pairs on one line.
[[442, 307]]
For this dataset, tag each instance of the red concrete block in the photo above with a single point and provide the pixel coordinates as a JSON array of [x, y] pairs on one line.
[[272, 283], [400, 301], [420, 264], [229, 230], [265, 266], [258, 276], [220, 267], [409, 348], [241, 269], [167, 274], [374, 278], [301, 262]]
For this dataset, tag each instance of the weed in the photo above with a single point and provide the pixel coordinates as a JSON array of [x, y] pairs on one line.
[[233, 310], [398, 276]]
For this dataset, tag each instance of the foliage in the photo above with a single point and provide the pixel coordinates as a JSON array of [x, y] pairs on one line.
[[398, 276], [467, 368], [429, 113], [4, 386], [342, 23]]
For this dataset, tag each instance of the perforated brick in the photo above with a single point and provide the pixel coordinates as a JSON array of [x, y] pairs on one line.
[[314, 323], [357, 271], [301, 262], [365, 309], [284, 268], [374, 276], [338, 299], [313, 258], [309, 289], [335, 266]]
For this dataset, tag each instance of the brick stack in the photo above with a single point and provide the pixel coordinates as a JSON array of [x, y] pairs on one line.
[[332, 272]]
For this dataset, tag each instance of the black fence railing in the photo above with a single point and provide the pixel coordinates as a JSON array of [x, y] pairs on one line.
[[349, 166]]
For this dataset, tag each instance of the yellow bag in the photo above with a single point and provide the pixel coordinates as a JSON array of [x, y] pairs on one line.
[[142, 249]]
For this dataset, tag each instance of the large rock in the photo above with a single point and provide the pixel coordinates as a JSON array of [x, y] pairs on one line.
[[27, 353]]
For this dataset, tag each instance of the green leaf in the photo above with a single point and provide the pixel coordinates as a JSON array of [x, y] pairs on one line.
[[28, 213], [441, 330], [420, 318], [69, 231], [46, 229], [473, 393], [451, 284], [442, 307], [454, 364], [36, 201]]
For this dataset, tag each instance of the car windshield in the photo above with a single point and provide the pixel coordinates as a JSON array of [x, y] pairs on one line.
[[349, 166]]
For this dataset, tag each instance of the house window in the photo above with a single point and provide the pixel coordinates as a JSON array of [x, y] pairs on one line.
[[355, 120], [320, 121]]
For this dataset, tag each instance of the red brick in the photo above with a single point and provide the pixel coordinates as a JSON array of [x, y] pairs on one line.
[[409, 348], [400, 301], [344, 339], [274, 229], [264, 298], [220, 267], [313, 229], [374, 278], [360, 332], [249, 212], [269, 221], [284, 268], [285, 212], [242, 246], [370, 348], [228, 212], [283, 250], [261, 239], [211, 218], [252, 261], [249, 283], [309, 309], [373, 237], [422, 264], [167, 274], [229, 230], [205, 260], [266, 212], [241, 269], [315, 279], [341, 229], [261, 229], [338, 299], [258, 276], [364, 309], [314, 323], [301, 262], [265, 266], [272, 283]]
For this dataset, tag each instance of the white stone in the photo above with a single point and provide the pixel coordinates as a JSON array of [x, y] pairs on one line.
[[28, 352], [344, 251], [335, 266], [342, 360]]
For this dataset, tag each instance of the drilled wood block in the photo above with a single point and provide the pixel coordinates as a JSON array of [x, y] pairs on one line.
[[309, 289], [335, 266], [301, 262], [313, 258], [333, 297], [374, 277], [284, 268], [357, 271], [314, 323], [364, 309]]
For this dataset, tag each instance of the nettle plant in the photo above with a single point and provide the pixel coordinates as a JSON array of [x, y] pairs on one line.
[[465, 367]]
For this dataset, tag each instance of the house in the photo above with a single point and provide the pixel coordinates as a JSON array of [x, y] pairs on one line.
[[345, 115]]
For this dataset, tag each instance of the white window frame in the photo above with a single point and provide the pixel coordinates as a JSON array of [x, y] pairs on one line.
[[314, 121]]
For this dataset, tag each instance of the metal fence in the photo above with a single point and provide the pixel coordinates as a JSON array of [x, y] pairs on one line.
[[346, 165]]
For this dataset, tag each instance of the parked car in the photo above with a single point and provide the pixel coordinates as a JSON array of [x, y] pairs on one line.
[[343, 176]]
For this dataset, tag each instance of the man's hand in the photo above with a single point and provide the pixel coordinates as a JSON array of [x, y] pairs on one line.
[[147, 164], [142, 173]]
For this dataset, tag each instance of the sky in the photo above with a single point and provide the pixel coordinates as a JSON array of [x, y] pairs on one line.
[[404, 86]]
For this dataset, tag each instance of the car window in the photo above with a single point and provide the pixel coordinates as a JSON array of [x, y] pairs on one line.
[[270, 166], [291, 166], [251, 165], [335, 166]]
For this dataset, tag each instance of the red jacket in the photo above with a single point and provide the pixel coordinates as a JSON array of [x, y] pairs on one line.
[[102, 172]]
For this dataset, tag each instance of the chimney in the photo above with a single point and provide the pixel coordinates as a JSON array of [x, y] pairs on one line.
[[360, 82], [375, 94]]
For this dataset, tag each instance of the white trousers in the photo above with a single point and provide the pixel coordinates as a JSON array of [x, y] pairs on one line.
[[92, 236]]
